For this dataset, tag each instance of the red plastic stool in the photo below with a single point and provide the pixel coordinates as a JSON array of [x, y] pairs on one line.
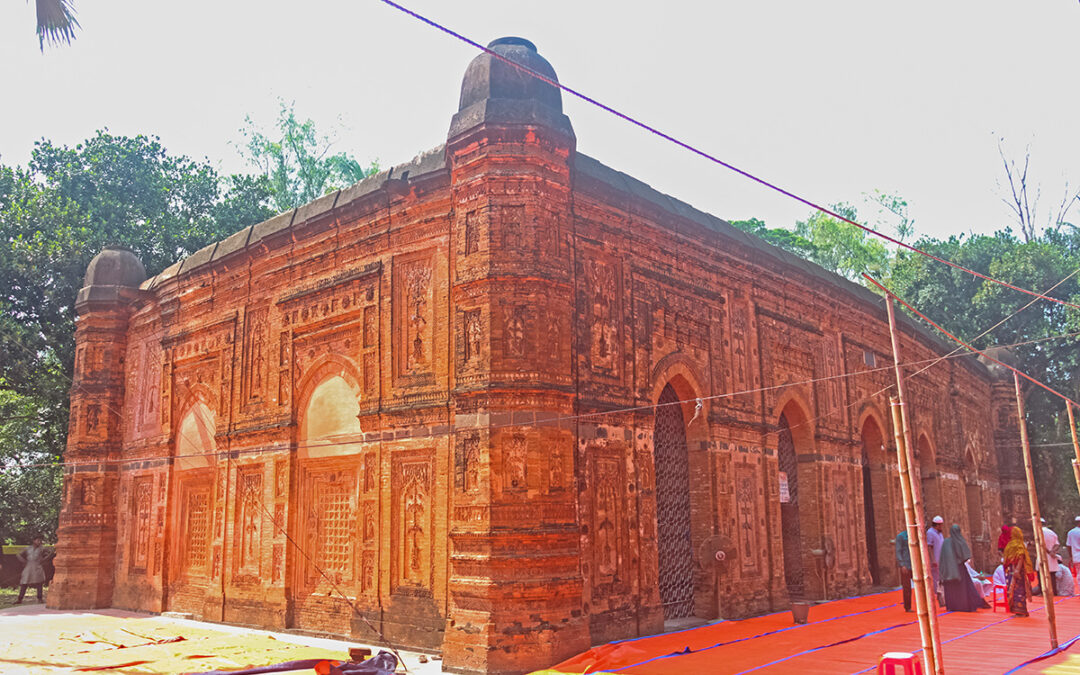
[[890, 660], [995, 602]]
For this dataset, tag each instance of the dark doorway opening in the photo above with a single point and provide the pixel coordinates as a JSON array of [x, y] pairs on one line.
[[789, 512], [871, 525], [672, 471]]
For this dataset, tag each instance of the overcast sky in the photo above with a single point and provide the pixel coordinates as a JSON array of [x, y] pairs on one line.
[[828, 99]]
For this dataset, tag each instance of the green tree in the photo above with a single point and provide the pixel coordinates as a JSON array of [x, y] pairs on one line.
[[777, 236], [841, 247], [297, 160], [967, 306], [835, 245], [55, 215]]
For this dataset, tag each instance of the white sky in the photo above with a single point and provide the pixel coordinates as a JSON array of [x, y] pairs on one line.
[[829, 99]]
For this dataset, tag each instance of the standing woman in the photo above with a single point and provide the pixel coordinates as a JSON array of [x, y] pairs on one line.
[[1017, 565], [960, 593], [1003, 538], [33, 574]]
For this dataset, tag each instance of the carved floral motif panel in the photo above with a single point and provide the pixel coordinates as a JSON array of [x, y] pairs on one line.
[[249, 521], [414, 316], [142, 525], [412, 520], [607, 517], [603, 293], [196, 531]]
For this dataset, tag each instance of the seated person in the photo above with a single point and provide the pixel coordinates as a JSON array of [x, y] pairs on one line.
[[999, 576], [1064, 580], [983, 585]]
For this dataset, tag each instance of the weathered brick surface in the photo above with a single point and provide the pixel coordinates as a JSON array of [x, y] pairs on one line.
[[431, 392]]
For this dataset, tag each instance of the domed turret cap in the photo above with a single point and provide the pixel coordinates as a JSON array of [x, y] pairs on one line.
[[115, 266], [496, 91]]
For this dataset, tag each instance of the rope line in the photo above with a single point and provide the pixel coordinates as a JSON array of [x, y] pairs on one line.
[[333, 584], [973, 349], [551, 420], [701, 153]]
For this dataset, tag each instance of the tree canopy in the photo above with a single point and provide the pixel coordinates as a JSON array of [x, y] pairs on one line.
[[967, 306], [55, 215], [297, 160]]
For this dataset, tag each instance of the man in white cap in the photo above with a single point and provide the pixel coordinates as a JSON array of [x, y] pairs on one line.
[[934, 540], [1050, 540], [1072, 540]]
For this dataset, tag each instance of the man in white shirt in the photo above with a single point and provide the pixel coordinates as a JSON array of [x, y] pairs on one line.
[[1072, 540], [1050, 540], [934, 540]]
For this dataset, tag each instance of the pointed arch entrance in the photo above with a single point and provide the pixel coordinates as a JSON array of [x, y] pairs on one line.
[[334, 486], [189, 568], [931, 498], [877, 510], [790, 519], [672, 472]]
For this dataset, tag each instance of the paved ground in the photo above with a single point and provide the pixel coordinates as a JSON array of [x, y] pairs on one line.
[[34, 639]]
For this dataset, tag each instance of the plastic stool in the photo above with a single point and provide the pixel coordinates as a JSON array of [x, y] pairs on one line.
[[995, 602], [890, 660]]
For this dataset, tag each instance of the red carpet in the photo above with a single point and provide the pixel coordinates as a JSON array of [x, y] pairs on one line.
[[845, 636]]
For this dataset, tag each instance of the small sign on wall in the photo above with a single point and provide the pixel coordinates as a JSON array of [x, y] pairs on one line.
[[785, 496]]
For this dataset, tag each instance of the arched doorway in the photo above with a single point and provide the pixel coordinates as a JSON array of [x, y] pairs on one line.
[[336, 498], [790, 521], [876, 508], [672, 471], [977, 532], [193, 514], [931, 501]]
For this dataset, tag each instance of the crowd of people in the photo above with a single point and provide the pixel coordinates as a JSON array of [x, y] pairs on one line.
[[959, 587]]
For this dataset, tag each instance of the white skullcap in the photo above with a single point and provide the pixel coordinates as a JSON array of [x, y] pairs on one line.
[[939, 520]]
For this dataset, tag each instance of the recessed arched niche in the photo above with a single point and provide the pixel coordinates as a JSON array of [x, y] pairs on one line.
[[330, 422], [195, 441]]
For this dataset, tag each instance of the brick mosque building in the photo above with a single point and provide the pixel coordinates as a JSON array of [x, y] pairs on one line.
[[435, 392]]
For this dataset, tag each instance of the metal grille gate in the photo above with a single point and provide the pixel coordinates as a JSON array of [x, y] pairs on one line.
[[789, 512], [676, 573]]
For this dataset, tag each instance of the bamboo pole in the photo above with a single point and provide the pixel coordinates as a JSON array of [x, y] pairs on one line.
[[1076, 446], [918, 572], [934, 660], [1036, 519]]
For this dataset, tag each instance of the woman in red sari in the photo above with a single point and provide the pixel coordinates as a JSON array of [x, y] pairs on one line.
[[1017, 564], [1004, 537]]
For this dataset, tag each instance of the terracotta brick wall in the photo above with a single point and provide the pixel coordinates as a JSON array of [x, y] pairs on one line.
[[431, 393]]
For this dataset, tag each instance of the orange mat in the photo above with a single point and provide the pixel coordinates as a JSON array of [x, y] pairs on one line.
[[846, 636]]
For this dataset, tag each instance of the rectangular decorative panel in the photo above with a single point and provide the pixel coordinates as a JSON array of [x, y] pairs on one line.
[[604, 286], [196, 532], [249, 522], [336, 524], [412, 519], [414, 316], [142, 526], [255, 365], [607, 517], [746, 507]]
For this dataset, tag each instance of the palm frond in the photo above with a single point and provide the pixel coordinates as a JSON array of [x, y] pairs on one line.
[[56, 22]]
